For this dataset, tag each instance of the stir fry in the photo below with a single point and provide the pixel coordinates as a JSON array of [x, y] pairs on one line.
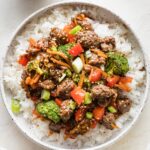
[[75, 78]]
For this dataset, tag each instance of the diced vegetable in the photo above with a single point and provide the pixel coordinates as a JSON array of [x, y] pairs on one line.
[[98, 113], [78, 95], [89, 115], [15, 105], [50, 110], [112, 109], [123, 87], [76, 50], [58, 101], [76, 77], [34, 65], [45, 95], [23, 60], [68, 73], [75, 29], [126, 79], [88, 54], [53, 48], [72, 105], [65, 48], [53, 116], [79, 114], [62, 77], [87, 98], [117, 64], [77, 65], [87, 82], [111, 81], [95, 75]]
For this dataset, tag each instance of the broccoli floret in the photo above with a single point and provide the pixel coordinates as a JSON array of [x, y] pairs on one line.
[[68, 73], [76, 77], [117, 64], [49, 110], [34, 65], [65, 48]]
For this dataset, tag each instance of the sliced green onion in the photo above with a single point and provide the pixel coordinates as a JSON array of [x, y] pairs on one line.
[[72, 105], [112, 109], [89, 115], [87, 98], [75, 29], [62, 77], [15, 105], [88, 54], [77, 65], [45, 95], [53, 48]]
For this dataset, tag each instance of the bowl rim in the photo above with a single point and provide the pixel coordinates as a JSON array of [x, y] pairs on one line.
[[75, 2]]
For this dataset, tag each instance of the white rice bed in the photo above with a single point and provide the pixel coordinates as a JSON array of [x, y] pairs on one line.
[[40, 28]]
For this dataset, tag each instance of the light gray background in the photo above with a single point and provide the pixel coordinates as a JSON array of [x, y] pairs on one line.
[[135, 12]]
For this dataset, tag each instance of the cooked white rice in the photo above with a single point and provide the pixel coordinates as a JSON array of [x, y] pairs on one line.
[[40, 28]]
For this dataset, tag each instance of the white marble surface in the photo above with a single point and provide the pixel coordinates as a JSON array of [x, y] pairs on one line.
[[135, 12]]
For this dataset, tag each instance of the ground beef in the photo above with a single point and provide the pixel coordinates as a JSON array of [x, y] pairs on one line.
[[59, 36], [96, 60], [124, 105], [56, 127], [47, 84], [103, 94], [81, 19], [108, 121], [64, 89], [107, 43], [43, 43], [65, 110], [88, 39], [55, 73], [82, 127]]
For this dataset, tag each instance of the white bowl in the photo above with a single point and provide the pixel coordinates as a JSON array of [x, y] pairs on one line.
[[96, 12]]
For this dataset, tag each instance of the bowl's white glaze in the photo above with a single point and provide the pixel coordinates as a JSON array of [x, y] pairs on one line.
[[95, 10]]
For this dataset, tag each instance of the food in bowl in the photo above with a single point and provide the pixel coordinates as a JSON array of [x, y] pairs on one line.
[[76, 81]]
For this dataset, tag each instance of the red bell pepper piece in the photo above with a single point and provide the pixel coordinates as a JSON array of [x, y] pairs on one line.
[[76, 50], [111, 81], [78, 95], [95, 75], [23, 60], [98, 113]]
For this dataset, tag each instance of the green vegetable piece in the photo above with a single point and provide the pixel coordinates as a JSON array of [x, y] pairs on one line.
[[75, 29], [117, 64], [112, 109], [68, 73], [64, 49], [72, 105], [50, 110], [34, 65], [77, 65], [76, 78], [53, 106], [15, 106], [53, 116], [53, 48], [45, 95], [87, 98], [89, 115], [87, 82], [42, 109]]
